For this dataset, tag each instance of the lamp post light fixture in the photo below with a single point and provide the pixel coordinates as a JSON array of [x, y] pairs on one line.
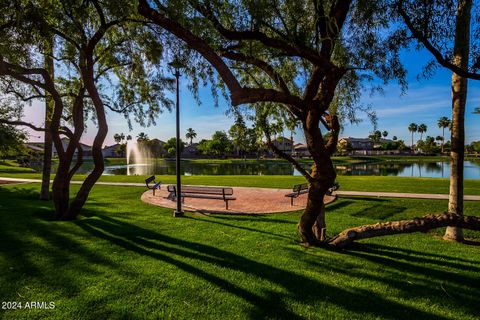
[[178, 212]]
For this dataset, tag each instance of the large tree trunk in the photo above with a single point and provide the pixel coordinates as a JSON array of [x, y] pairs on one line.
[[48, 143], [459, 99], [61, 183], [83, 193], [423, 224], [312, 226]]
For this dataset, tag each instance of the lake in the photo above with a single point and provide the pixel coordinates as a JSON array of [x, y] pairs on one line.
[[386, 168]]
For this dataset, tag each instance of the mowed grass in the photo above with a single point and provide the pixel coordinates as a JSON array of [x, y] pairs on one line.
[[347, 183], [128, 260]]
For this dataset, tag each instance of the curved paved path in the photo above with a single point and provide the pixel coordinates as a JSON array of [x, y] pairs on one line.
[[248, 201]]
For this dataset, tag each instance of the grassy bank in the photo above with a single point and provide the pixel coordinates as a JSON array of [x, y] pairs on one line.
[[127, 259]]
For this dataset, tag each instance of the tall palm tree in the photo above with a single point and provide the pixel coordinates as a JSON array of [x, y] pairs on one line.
[[117, 138], [191, 134], [142, 136], [413, 127], [443, 123], [422, 129], [385, 133]]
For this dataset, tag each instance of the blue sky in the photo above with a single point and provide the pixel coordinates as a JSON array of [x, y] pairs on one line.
[[425, 102]]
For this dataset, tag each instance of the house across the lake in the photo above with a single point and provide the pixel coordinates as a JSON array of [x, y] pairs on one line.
[[301, 150], [113, 151], [284, 144], [358, 143]]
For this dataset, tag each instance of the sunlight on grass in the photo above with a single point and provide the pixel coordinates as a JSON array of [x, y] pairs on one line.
[[126, 259]]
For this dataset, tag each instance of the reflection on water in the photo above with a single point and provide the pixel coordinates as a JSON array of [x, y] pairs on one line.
[[409, 169], [387, 168]]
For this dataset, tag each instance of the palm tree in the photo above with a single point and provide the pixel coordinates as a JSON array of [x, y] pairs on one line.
[[394, 138], [385, 133], [129, 137], [117, 138], [142, 137], [422, 129], [443, 123], [476, 111], [413, 127], [191, 134]]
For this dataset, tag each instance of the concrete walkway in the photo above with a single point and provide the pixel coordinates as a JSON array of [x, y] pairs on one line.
[[339, 193]]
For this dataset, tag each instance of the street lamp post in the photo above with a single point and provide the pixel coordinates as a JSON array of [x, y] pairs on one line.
[[178, 212]]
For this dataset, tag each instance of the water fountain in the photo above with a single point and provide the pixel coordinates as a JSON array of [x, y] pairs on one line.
[[137, 158]]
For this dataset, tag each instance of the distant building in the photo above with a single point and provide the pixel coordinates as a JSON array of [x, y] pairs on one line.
[[358, 143], [284, 144], [191, 151], [112, 151], [301, 150], [34, 147], [40, 147]]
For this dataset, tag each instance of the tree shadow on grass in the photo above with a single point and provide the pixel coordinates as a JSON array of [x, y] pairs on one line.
[[241, 228], [338, 204], [27, 222], [433, 273], [269, 304], [379, 211]]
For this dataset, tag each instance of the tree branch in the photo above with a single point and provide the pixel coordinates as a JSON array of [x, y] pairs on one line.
[[298, 51], [347, 237], [434, 51], [334, 126], [22, 123], [284, 155]]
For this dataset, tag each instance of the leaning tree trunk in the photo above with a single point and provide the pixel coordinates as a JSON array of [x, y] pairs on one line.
[[312, 226], [459, 99], [424, 224], [65, 171], [48, 143], [82, 195]]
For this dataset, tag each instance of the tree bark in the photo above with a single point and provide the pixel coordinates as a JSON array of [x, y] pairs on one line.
[[312, 226], [424, 224], [459, 99], [48, 143], [443, 138], [92, 178]]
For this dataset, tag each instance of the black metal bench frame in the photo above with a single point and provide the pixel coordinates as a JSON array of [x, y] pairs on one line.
[[216, 193], [156, 185], [298, 190]]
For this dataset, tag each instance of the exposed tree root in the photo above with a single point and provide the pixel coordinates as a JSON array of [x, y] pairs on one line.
[[347, 237]]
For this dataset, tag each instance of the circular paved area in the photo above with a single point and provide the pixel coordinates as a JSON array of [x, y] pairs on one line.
[[249, 201]]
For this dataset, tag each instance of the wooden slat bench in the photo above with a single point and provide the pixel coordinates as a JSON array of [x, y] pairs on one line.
[[155, 186], [218, 193], [297, 189]]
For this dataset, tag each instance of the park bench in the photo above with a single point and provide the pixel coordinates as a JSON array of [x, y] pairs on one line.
[[300, 189], [217, 193], [297, 189], [155, 186]]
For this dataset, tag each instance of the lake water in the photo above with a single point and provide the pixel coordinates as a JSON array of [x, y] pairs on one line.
[[387, 168]]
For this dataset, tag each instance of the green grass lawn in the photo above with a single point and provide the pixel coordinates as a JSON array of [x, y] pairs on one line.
[[128, 260], [351, 183]]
